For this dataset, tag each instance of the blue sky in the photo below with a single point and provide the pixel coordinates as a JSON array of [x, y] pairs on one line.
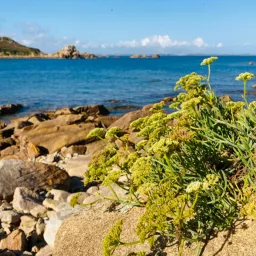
[[133, 26]]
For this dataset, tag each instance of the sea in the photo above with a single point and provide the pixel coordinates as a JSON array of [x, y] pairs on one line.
[[121, 84]]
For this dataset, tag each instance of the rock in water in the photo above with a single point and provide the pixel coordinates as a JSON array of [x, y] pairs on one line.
[[32, 175], [156, 56], [10, 109]]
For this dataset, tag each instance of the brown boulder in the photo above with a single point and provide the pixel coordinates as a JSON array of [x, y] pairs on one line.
[[16, 241], [38, 118], [225, 98], [32, 175], [33, 151], [65, 111], [9, 151], [14, 152], [147, 107], [106, 121], [54, 134], [5, 143], [168, 100], [45, 251], [95, 147], [2, 125], [75, 149], [7, 131], [98, 110], [125, 121]]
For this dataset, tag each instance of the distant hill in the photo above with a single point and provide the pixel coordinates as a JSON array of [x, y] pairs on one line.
[[9, 47]]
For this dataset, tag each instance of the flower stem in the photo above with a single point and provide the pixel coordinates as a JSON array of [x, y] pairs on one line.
[[245, 93], [181, 247], [208, 78]]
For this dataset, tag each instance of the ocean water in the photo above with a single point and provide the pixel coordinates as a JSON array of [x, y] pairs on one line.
[[50, 84]]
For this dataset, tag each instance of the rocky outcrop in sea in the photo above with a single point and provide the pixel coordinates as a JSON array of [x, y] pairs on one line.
[[70, 52]]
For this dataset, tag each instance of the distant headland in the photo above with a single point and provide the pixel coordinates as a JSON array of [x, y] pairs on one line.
[[10, 49]]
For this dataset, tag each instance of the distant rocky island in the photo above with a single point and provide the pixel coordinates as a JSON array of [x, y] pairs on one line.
[[138, 56], [10, 49]]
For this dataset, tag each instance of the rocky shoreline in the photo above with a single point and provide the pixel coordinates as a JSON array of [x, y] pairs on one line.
[[43, 158]]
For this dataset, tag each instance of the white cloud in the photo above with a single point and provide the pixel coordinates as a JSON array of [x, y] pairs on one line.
[[219, 45], [199, 42], [127, 44], [161, 41], [77, 42], [156, 41]]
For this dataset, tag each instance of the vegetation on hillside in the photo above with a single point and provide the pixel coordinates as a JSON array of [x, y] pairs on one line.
[[193, 171], [9, 47]]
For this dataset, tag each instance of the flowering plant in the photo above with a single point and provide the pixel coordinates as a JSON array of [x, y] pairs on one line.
[[193, 170]]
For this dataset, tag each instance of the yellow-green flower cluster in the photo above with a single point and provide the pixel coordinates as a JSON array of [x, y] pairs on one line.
[[194, 186], [207, 184], [96, 133], [249, 209], [141, 170], [252, 106], [157, 107], [245, 77], [190, 104], [141, 144], [236, 107], [112, 239], [208, 61], [210, 181], [189, 81], [164, 146], [113, 132], [112, 177]]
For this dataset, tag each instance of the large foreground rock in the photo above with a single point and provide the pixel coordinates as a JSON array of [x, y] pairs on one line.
[[63, 211], [83, 234], [32, 175]]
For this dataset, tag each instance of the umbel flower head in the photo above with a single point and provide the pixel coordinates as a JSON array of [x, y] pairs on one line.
[[114, 132], [208, 61], [96, 133], [245, 77], [193, 187]]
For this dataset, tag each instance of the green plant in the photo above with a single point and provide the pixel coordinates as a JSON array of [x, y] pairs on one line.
[[194, 170]]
